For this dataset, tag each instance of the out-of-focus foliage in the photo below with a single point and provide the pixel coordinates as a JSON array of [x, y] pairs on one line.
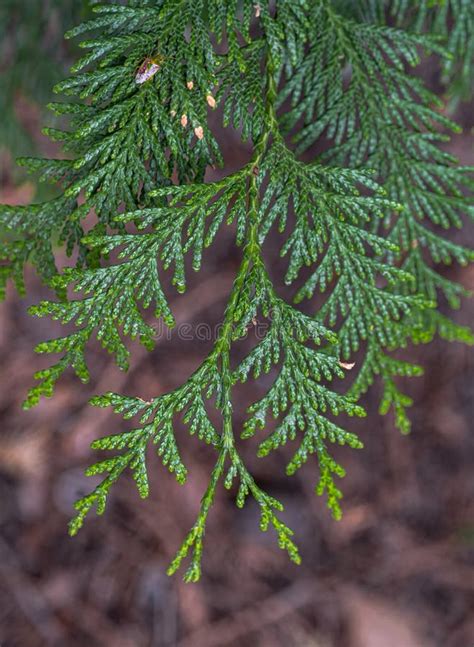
[[452, 21], [33, 57]]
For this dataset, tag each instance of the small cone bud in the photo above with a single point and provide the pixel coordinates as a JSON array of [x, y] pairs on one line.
[[173, 113], [184, 121], [347, 365], [211, 101]]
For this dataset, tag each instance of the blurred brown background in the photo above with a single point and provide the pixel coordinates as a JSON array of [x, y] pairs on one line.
[[397, 571]]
